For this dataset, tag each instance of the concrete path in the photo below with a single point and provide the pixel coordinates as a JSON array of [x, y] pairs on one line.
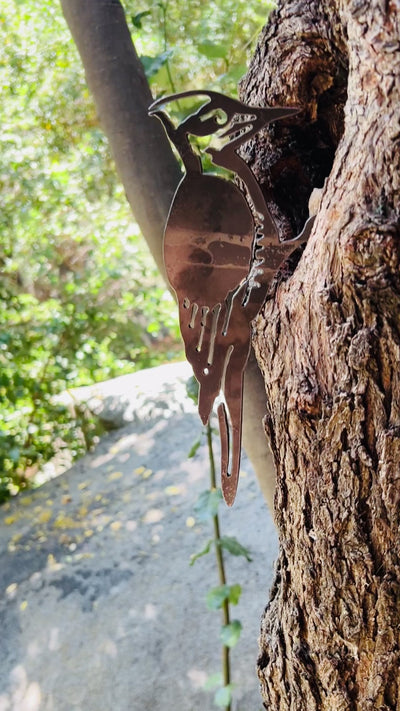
[[99, 608]]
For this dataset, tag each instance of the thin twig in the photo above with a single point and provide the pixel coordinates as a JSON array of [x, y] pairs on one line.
[[164, 9]]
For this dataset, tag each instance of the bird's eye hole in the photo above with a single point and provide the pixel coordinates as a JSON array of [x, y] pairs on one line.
[[221, 117], [218, 116]]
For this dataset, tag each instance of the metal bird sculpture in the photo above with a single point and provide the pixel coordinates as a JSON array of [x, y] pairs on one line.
[[221, 250]]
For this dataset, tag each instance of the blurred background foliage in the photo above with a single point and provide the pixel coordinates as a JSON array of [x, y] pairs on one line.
[[196, 44], [80, 298]]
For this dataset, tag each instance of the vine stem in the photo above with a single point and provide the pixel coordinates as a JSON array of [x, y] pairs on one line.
[[226, 666], [164, 10]]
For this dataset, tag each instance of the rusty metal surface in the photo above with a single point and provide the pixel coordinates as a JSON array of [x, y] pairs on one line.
[[221, 251]]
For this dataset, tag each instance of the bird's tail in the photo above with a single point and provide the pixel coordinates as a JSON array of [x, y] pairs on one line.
[[230, 470]]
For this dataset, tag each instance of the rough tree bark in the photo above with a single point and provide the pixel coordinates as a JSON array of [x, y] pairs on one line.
[[328, 343], [147, 166]]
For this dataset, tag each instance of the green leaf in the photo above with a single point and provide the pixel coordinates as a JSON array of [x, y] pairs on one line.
[[137, 19], [194, 449], [213, 681], [192, 389], [207, 504], [235, 592], [233, 546], [223, 696], [205, 550], [217, 596], [152, 65], [230, 633], [212, 50]]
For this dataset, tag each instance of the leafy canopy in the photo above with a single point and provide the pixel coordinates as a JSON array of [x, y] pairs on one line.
[[80, 299]]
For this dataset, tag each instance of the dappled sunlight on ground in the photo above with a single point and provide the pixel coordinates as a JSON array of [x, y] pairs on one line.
[[198, 678], [100, 608], [150, 612], [153, 516], [24, 695]]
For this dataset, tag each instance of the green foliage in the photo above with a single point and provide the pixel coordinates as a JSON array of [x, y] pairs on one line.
[[152, 65], [213, 681], [207, 504], [230, 633], [80, 299], [217, 596], [33, 426], [192, 389], [204, 551], [193, 450], [223, 696], [210, 42], [224, 595], [233, 547]]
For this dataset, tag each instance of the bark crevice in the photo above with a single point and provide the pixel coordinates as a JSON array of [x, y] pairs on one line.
[[301, 64]]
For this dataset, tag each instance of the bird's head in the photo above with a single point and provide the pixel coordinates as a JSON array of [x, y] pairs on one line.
[[222, 115]]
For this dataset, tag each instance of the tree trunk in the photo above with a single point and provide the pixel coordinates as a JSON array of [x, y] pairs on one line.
[[328, 343], [147, 166], [143, 157]]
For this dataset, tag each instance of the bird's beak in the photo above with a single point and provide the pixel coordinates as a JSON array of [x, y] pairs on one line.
[[258, 118]]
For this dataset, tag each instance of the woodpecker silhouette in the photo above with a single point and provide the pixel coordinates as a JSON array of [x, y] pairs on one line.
[[221, 250]]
